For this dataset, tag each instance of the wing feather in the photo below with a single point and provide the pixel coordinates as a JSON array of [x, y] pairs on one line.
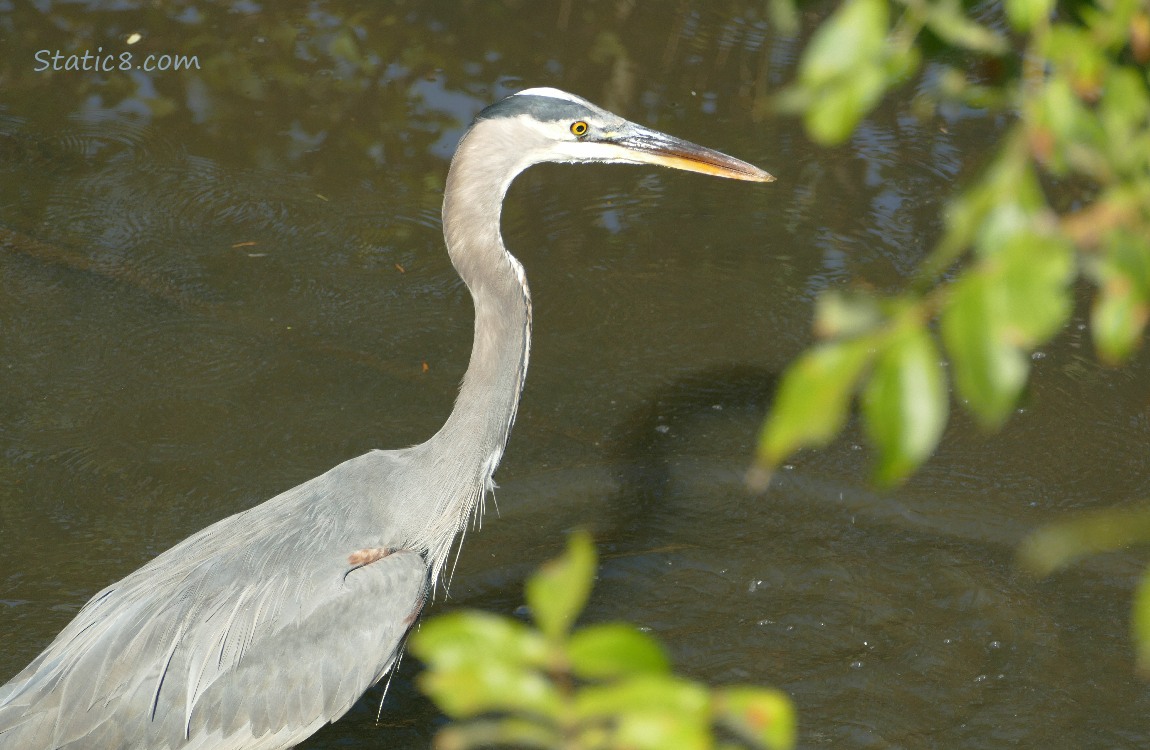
[[252, 633]]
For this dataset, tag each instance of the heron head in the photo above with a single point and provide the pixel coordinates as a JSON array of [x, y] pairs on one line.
[[551, 125]]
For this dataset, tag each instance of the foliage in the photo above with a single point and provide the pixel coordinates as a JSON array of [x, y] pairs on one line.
[[1057, 545], [504, 683], [1000, 280]]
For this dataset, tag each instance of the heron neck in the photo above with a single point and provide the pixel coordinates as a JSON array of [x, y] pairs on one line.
[[477, 430]]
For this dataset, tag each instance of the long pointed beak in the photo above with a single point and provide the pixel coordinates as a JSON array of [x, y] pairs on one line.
[[653, 147]]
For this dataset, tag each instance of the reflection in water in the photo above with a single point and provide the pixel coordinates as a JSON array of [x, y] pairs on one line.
[[158, 374]]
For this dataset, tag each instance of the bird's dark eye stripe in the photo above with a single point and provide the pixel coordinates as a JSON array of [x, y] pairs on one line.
[[579, 127]]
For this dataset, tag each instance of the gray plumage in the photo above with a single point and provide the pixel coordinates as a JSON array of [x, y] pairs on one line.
[[258, 630]]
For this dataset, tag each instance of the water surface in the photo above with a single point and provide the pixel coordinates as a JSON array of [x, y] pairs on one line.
[[216, 284]]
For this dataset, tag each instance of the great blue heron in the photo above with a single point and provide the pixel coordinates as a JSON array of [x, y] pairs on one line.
[[267, 625]]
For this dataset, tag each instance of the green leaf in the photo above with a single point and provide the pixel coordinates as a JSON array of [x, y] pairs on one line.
[[1004, 199], [1122, 306], [905, 403], [513, 731], [558, 592], [475, 688], [845, 70], [900, 63], [833, 114], [813, 399], [1061, 127], [1034, 272], [949, 22], [1017, 298], [1128, 255], [1113, 23], [1071, 51], [1140, 623], [784, 16], [457, 638], [1057, 545], [660, 731], [841, 314], [854, 36], [989, 370], [1015, 199], [1024, 14], [614, 650], [760, 716], [1117, 319], [1125, 102], [644, 694], [1122, 122]]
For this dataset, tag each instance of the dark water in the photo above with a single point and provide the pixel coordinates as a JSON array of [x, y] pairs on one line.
[[217, 283]]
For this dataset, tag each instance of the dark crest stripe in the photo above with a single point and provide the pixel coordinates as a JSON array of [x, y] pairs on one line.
[[543, 108]]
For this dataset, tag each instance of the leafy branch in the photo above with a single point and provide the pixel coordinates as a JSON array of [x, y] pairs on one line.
[[504, 683], [999, 282]]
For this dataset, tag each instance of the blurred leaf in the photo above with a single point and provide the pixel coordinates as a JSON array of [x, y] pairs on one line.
[[1137, 33], [1122, 306], [1059, 122], [478, 687], [854, 35], [1072, 52], [644, 694], [813, 399], [989, 371], [1119, 209], [1126, 101], [517, 732], [948, 20], [952, 84], [614, 650], [558, 592], [1112, 23], [1123, 122], [482, 665], [845, 70], [764, 717], [835, 112], [660, 730], [900, 63], [1017, 298], [1004, 199], [840, 314], [1058, 544], [784, 16], [1117, 319], [1024, 14], [1014, 198], [1140, 623], [905, 403], [457, 638], [1034, 272]]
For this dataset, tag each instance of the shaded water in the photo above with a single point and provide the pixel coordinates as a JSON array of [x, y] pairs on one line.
[[217, 284]]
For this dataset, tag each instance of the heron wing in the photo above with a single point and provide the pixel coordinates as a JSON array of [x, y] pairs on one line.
[[252, 633], [315, 667]]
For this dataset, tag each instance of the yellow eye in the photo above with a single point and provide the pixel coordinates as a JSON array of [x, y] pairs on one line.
[[579, 127]]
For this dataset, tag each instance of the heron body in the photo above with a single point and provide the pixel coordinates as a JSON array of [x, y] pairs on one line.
[[258, 630]]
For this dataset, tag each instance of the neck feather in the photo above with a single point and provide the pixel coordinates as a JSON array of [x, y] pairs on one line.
[[477, 430]]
